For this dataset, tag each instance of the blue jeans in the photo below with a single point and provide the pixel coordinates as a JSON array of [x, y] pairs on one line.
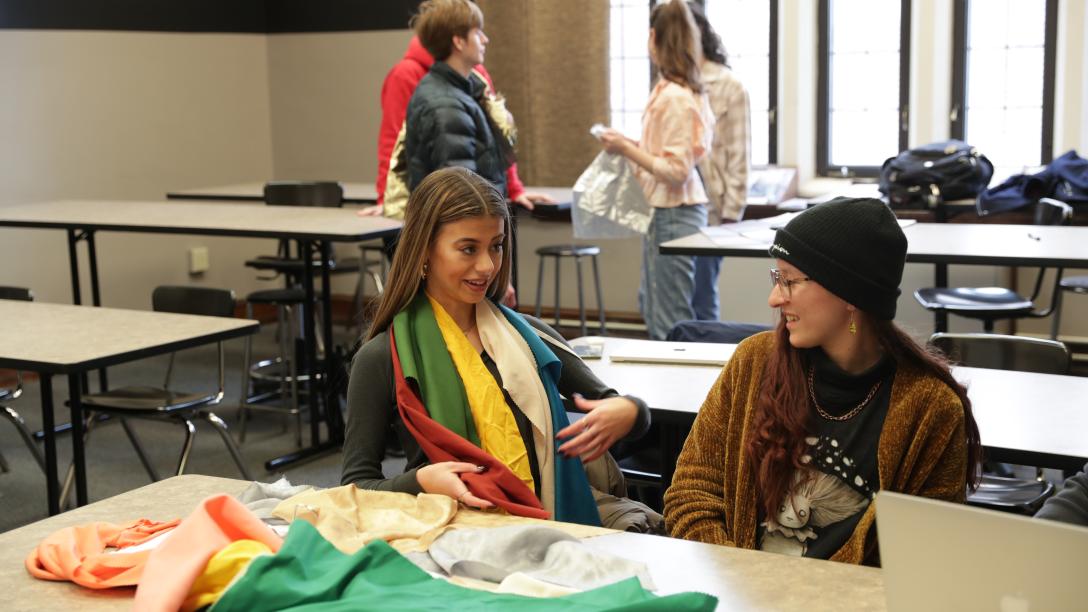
[[705, 300], [668, 281]]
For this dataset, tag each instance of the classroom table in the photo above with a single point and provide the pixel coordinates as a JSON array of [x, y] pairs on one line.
[[935, 243], [53, 339], [741, 579], [354, 193], [1023, 417], [366, 193], [313, 228]]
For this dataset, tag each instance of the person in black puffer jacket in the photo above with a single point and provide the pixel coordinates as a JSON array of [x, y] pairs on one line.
[[446, 124]]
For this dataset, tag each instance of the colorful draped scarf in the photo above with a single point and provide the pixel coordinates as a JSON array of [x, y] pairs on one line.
[[434, 405]]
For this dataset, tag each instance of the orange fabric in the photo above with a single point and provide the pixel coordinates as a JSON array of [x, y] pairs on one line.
[[79, 553], [173, 566]]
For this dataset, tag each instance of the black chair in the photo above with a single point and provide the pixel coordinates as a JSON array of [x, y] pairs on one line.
[[1019, 495], [990, 304], [1071, 284], [641, 461], [725, 332], [283, 370], [165, 403], [12, 393]]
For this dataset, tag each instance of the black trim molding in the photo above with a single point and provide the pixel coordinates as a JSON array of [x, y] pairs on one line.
[[226, 16]]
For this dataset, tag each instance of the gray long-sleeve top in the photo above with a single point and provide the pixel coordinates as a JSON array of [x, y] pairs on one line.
[[1070, 505], [372, 408]]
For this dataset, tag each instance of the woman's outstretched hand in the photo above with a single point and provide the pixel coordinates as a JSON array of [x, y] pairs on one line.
[[606, 421], [444, 479]]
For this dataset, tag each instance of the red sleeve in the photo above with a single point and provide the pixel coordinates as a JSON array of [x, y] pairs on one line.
[[514, 188], [396, 92]]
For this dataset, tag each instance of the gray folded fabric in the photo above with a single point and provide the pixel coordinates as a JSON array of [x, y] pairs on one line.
[[263, 497], [542, 553]]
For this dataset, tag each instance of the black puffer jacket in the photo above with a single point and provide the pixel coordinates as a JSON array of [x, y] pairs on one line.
[[446, 126]]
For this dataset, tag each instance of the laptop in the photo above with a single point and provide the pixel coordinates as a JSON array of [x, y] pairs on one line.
[[943, 556], [683, 353]]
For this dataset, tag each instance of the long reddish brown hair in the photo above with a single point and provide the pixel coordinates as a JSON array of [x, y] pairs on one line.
[[781, 421]]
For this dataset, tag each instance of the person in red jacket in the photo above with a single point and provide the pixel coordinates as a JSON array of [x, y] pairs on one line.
[[396, 92]]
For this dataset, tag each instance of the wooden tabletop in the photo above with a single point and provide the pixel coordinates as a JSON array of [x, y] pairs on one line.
[[742, 579], [61, 338], [1040, 419], [950, 243], [226, 219]]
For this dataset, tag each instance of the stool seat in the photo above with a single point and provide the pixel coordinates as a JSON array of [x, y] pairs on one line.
[[568, 250], [294, 295], [977, 301], [577, 251], [137, 399], [1076, 284]]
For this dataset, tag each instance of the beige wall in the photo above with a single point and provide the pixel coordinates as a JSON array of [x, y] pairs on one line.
[[325, 101], [127, 115]]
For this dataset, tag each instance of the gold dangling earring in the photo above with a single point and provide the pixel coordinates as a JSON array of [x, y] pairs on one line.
[[853, 326], [424, 271]]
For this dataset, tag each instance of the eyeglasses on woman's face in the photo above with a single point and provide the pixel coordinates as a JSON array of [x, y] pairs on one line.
[[785, 284]]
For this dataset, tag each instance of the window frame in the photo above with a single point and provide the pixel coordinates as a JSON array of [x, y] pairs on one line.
[[957, 112], [823, 94]]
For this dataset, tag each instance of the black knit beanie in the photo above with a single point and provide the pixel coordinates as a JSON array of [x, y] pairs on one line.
[[853, 247]]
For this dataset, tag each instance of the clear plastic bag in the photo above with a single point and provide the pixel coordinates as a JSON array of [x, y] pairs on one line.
[[608, 201]]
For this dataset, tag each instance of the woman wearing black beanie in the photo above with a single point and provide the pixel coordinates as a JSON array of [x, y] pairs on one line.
[[807, 422]]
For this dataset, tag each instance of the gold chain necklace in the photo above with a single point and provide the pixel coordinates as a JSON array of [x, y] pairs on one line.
[[849, 415]]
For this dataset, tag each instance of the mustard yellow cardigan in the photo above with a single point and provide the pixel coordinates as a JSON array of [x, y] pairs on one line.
[[713, 497]]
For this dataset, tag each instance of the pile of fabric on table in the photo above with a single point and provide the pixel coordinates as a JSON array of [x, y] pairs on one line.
[[349, 548]]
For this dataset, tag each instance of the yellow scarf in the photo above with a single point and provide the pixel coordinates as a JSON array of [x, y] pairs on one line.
[[495, 424]]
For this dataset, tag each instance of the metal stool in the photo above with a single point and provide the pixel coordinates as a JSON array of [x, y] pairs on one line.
[[282, 369], [377, 278], [577, 251]]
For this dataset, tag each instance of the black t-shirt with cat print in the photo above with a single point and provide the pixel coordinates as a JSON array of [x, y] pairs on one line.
[[827, 501]]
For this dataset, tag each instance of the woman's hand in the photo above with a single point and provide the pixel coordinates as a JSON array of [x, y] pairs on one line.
[[369, 211], [607, 421], [443, 479], [529, 200], [615, 142]]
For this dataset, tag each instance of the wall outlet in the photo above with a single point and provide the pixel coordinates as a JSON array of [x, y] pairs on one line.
[[198, 260]]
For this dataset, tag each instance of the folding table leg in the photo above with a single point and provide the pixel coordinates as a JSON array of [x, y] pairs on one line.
[[52, 487]]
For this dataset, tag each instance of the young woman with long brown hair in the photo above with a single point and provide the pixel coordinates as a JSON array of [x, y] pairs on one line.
[[808, 421], [472, 388], [676, 133]]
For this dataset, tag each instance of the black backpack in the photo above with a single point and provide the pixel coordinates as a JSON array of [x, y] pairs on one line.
[[925, 176]]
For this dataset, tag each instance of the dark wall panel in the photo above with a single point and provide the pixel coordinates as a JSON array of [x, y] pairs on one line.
[[138, 15], [339, 15], [242, 16]]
